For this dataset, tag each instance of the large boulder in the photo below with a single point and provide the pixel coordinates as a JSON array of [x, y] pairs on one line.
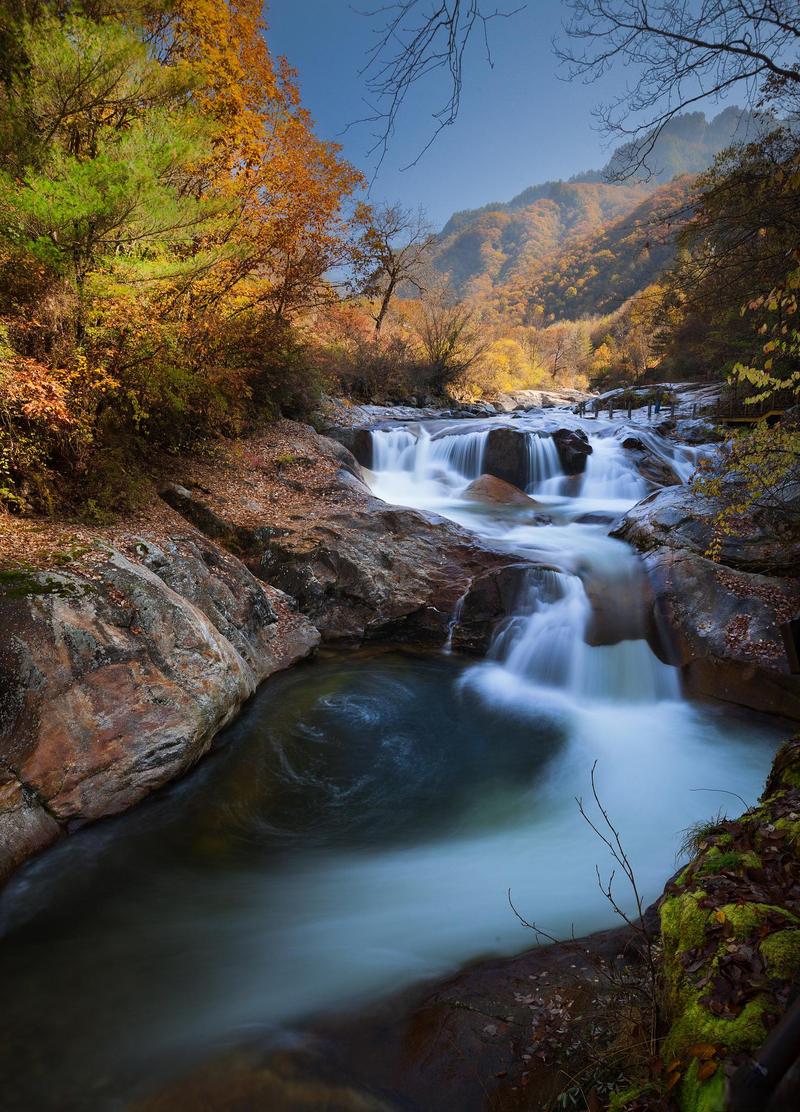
[[358, 568], [651, 466], [491, 598], [679, 517], [506, 456], [357, 441], [116, 675], [573, 448], [727, 630], [493, 491]]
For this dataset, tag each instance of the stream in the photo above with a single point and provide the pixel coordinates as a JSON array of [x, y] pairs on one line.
[[358, 828]]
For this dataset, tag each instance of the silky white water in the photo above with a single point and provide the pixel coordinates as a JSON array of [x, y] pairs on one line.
[[363, 823]]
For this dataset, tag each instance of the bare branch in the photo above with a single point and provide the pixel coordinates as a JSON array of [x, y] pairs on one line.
[[415, 39]]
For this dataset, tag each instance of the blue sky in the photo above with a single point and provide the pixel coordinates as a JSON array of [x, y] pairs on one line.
[[519, 124]]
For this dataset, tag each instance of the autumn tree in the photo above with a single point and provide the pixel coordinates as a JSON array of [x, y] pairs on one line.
[[392, 251], [451, 338], [168, 209], [556, 341]]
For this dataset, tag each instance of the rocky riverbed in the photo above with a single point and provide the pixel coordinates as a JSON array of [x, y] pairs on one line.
[[128, 648]]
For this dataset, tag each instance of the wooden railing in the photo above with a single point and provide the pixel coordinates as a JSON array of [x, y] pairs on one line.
[[731, 407]]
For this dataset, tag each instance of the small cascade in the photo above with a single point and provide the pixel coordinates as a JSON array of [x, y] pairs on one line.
[[457, 456], [544, 464], [544, 644], [455, 618], [609, 476], [391, 449], [681, 459]]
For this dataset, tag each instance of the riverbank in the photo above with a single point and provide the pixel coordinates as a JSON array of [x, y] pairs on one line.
[[128, 647]]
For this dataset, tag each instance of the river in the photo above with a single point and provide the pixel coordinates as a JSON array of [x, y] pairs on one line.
[[358, 828]]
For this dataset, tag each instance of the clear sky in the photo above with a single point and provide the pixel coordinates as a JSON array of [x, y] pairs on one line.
[[519, 123]]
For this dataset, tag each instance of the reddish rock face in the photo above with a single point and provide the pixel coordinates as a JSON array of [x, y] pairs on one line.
[[488, 488], [119, 682], [723, 621]]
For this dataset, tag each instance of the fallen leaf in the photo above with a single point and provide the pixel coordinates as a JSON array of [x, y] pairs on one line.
[[673, 1080], [703, 1051]]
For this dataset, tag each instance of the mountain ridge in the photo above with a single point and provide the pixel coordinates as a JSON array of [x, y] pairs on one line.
[[504, 246]]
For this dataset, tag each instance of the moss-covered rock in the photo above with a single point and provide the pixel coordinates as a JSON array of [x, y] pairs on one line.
[[683, 921], [730, 946], [781, 952]]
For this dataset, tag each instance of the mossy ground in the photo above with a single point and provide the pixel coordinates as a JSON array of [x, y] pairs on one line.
[[729, 949]]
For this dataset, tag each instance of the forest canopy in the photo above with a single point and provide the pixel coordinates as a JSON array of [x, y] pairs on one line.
[[166, 211]]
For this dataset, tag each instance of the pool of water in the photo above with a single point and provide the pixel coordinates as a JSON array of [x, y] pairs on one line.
[[358, 830]]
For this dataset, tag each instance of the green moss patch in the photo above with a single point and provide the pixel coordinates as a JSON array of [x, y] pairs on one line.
[[781, 952], [730, 934]]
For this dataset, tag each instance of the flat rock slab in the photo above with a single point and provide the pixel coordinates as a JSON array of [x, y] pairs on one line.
[[498, 1036]]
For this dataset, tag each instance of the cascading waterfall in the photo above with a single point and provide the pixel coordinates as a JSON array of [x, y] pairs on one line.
[[391, 448], [544, 465], [609, 476], [550, 642], [545, 645], [458, 456]]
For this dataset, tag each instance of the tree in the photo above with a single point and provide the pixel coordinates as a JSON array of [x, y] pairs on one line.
[[681, 54], [556, 339], [414, 40], [734, 287], [451, 339], [166, 212], [393, 249]]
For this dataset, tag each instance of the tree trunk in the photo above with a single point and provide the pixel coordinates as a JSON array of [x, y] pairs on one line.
[[387, 297]]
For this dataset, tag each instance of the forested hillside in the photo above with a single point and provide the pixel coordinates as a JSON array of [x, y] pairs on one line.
[[501, 244], [596, 274], [537, 246], [166, 211]]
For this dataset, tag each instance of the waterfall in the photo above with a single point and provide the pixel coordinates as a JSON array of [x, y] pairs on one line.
[[544, 644], [391, 449], [577, 630], [544, 464], [458, 456], [609, 475]]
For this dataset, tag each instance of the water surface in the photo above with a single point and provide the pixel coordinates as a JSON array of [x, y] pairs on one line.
[[358, 829]]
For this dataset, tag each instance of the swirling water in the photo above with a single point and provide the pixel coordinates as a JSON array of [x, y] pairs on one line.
[[362, 823]]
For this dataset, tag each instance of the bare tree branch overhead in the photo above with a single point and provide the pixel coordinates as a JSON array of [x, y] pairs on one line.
[[681, 52], [414, 39]]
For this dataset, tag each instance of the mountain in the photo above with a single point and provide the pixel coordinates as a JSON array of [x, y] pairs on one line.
[[502, 243], [596, 274], [581, 234], [687, 145]]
